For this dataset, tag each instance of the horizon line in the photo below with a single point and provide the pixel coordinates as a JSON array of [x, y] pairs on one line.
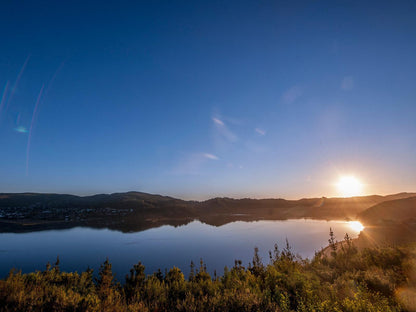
[[209, 198]]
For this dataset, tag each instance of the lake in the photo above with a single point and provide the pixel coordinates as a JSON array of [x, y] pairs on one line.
[[165, 246]]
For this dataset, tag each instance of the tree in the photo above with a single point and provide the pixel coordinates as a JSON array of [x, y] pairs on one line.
[[135, 282], [332, 242], [105, 281], [258, 267]]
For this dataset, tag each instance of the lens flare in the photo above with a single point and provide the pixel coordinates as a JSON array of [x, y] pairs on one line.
[[16, 83], [31, 129], [3, 97], [20, 129], [356, 226]]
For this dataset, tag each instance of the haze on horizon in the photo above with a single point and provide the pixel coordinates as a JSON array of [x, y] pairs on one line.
[[202, 99]]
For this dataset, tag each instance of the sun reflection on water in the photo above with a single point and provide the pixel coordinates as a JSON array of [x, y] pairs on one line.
[[356, 226]]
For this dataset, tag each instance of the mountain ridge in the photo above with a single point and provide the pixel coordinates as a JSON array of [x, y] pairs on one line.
[[136, 211], [374, 196]]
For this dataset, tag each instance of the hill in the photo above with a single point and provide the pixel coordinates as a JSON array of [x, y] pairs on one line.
[[219, 211], [389, 223], [136, 211], [398, 210]]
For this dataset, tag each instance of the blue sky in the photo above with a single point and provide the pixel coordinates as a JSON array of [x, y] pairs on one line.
[[197, 99]]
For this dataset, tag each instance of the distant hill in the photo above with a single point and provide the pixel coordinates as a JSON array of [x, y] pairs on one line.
[[389, 223], [115, 200], [398, 210], [221, 210], [136, 211]]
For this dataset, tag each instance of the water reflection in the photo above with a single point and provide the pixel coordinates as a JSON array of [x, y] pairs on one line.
[[165, 246], [356, 226]]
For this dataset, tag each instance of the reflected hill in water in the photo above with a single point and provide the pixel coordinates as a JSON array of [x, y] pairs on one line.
[[136, 211]]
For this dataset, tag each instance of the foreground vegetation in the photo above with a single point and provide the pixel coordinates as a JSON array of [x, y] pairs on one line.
[[344, 279]]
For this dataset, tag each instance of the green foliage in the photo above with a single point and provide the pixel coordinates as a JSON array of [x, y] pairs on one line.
[[345, 279], [133, 288]]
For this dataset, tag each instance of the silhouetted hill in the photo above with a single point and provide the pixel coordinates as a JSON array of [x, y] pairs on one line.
[[131, 211], [398, 210], [219, 211], [136, 211], [390, 223], [132, 199]]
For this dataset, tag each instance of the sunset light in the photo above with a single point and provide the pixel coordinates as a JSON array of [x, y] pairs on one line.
[[356, 226], [349, 186], [147, 145]]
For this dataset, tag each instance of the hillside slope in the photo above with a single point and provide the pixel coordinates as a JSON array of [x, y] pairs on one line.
[[389, 223], [398, 210]]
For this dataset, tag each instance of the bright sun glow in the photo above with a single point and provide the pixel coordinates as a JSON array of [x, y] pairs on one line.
[[356, 226], [349, 186]]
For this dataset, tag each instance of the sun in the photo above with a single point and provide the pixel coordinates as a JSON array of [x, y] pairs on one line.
[[349, 186]]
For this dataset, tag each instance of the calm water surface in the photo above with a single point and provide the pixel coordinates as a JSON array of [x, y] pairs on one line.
[[165, 246]]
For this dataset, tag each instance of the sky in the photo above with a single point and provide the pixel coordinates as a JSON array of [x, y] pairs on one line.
[[197, 99]]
